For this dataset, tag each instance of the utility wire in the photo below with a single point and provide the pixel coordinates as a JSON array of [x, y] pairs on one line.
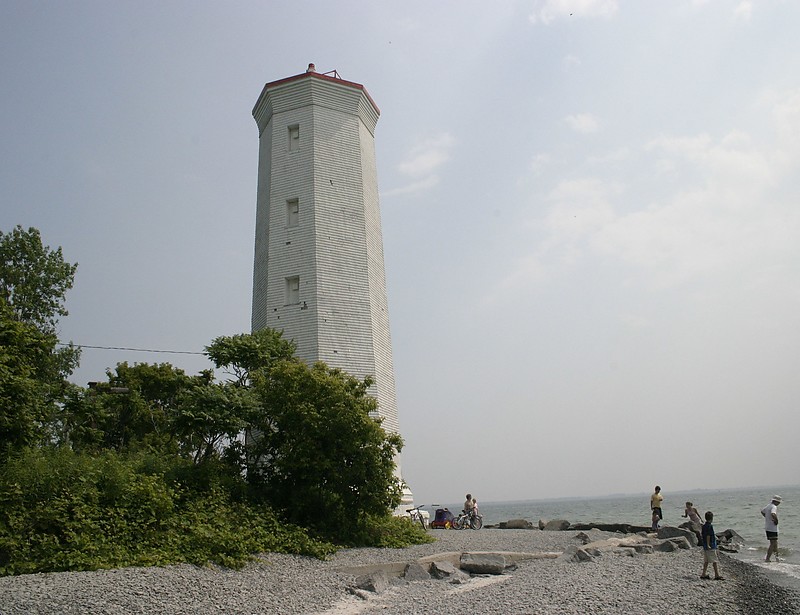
[[132, 349]]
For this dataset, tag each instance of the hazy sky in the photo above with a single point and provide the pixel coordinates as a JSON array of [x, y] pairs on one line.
[[591, 215]]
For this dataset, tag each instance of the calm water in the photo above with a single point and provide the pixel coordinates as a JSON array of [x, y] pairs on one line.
[[736, 509]]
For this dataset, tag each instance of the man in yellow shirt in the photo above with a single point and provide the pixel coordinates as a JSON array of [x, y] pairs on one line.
[[655, 506]]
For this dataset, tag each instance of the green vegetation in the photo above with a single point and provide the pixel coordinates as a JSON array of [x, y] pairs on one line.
[[33, 370], [62, 510], [154, 466]]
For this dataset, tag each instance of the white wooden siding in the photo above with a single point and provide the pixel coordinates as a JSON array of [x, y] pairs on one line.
[[337, 247]]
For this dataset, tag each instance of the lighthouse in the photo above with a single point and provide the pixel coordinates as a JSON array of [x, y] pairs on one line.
[[318, 272]]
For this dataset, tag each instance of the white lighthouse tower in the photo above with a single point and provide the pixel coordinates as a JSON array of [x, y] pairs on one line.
[[318, 272]]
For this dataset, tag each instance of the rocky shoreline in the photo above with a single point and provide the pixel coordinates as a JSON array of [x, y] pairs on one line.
[[613, 580]]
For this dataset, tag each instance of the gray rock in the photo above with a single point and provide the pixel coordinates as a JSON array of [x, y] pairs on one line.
[[460, 578], [575, 555], [483, 563], [359, 593], [583, 537], [681, 542], [670, 545], [443, 570], [556, 525], [376, 582], [730, 535], [664, 546], [416, 572], [677, 532], [730, 541], [516, 524]]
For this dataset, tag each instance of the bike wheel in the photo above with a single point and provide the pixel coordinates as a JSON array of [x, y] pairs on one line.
[[458, 523], [476, 523], [422, 522]]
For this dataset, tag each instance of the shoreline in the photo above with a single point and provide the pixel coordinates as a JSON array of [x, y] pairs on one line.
[[613, 584], [773, 572], [758, 592]]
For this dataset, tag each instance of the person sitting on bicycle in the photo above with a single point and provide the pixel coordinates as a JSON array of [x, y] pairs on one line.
[[474, 507], [468, 504]]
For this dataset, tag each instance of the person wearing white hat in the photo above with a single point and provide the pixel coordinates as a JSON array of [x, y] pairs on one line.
[[770, 513]]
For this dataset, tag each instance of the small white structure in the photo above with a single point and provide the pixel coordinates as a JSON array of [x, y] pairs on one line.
[[319, 272]]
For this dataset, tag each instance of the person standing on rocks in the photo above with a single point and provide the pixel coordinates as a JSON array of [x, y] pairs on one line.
[[692, 514], [770, 514], [655, 506], [694, 519], [710, 548], [655, 520]]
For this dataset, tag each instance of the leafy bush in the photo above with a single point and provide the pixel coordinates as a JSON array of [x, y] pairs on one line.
[[213, 529], [389, 532], [61, 510]]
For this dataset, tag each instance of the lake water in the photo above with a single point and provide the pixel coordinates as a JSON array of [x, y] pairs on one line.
[[736, 509]]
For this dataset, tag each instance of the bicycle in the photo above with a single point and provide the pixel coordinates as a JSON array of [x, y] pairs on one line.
[[415, 515], [465, 519]]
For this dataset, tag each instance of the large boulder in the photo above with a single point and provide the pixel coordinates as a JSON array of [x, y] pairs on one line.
[[516, 524], [376, 582], [556, 525], [593, 535], [416, 572], [583, 537], [575, 555], [677, 532], [693, 527], [730, 541], [483, 563], [672, 544], [444, 570]]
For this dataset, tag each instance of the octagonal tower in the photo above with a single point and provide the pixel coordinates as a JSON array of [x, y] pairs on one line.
[[319, 271]]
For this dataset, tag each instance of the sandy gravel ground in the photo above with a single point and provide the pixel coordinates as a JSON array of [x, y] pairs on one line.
[[611, 583]]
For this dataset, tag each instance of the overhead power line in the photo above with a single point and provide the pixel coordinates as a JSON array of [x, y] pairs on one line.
[[132, 349]]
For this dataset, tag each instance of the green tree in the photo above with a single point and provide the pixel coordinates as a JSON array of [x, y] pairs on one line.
[[313, 448], [30, 382], [33, 369], [136, 407], [33, 278], [211, 417], [241, 355], [321, 456]]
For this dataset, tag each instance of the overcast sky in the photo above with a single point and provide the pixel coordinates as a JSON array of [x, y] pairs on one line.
[[591, 215]]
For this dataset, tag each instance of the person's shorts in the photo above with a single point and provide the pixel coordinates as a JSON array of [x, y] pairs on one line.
[[658, 511], [710, 556], [772, 535]]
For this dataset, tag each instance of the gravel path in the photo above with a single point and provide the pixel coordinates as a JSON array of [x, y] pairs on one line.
[[612, 584]]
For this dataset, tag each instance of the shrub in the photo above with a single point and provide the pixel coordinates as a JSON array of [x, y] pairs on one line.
[[61, 510], [389, 532]]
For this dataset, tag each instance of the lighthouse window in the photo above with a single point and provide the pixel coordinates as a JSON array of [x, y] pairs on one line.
[[293, 290], [292, 212], [294, 138]]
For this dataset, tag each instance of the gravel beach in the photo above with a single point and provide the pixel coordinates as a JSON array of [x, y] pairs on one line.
[[610, 583]]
